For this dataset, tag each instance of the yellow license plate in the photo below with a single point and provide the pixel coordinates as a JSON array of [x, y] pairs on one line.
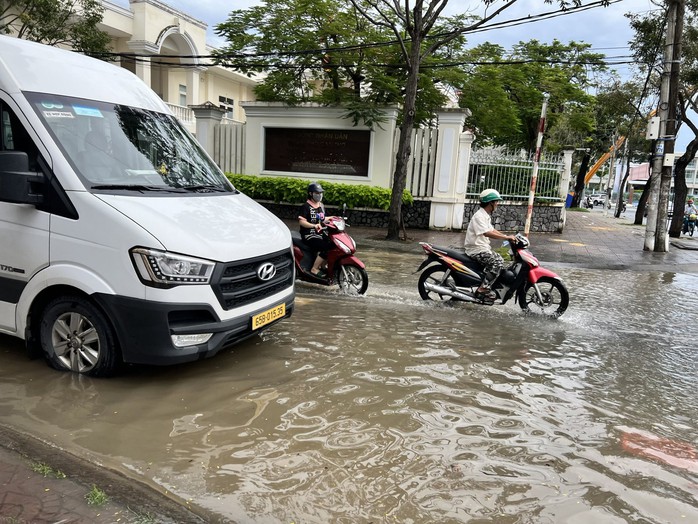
[[270, 315]]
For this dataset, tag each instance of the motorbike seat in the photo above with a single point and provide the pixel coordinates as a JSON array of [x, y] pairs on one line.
[[297, 239], [456, 254], [308, 254]]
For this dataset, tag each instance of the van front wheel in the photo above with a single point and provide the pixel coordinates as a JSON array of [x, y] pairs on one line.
[[77, 337]]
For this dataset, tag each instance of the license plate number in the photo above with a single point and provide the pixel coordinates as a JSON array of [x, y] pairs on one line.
[[265, 317]]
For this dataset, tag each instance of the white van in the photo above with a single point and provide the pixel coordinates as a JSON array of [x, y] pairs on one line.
[[120, 239]]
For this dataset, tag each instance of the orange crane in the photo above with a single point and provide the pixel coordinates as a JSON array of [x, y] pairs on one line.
[[603, 158]]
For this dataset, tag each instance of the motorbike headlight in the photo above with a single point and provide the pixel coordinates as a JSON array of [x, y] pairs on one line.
[[163, 269]]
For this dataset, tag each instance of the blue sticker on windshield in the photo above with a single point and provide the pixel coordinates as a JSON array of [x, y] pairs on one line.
[[87, 111]]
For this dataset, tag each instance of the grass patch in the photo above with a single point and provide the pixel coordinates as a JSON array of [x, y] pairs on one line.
[[143, 518], [96, 497], [46, 470]]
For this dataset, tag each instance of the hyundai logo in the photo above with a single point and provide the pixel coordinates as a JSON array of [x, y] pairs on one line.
[[266, 271]]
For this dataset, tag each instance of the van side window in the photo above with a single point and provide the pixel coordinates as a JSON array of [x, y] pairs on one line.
[[13, 137]]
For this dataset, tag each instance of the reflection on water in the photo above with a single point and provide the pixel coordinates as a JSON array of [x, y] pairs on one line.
[[384, 408]]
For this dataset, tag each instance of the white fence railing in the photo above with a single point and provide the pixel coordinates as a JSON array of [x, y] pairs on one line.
[[183, 114], [422, 163], [510, 173], [229, 147]]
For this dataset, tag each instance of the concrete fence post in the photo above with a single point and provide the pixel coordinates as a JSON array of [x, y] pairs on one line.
[[565, 185], [450, 180], [207, 116]]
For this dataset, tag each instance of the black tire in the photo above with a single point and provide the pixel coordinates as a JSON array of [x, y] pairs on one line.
[[352, 280], [76, 336], [556, 298], [435, 275]]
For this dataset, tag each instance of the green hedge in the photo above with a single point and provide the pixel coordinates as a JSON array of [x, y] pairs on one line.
[[294, 190]]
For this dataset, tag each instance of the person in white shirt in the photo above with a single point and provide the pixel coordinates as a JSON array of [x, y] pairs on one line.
[[477, 239], [690, 208]]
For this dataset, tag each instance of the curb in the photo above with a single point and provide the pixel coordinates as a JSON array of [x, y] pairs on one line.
[[129, 494]]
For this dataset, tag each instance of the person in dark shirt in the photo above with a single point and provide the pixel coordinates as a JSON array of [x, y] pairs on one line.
[[311, 218]]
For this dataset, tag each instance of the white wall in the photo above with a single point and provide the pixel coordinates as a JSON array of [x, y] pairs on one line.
[[261, 115]]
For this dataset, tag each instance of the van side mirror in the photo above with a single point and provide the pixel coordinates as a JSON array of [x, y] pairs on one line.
[[18, 185]]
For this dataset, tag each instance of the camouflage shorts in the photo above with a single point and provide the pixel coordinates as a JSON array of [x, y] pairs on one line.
[[490, 261]]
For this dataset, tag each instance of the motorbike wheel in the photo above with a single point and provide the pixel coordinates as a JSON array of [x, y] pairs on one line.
[[434, 275], [555, 298], [352, 280]]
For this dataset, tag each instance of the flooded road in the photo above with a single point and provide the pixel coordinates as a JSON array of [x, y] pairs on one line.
[[384, 408]]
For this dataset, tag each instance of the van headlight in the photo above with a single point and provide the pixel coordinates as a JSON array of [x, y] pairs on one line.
[[163, 269]]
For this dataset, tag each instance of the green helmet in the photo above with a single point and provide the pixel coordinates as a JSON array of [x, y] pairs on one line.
[[489, 195]]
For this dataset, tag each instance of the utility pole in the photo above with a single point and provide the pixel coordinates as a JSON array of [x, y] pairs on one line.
[[611, 177], [536, 161], [656, 237], [624, 167]]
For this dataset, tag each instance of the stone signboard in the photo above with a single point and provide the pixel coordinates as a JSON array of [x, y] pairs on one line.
[[323, 151]]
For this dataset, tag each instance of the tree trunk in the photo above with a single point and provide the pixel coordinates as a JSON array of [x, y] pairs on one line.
[[621, 188], [404, 149], [680, 188], [579, 184], [642, 203]]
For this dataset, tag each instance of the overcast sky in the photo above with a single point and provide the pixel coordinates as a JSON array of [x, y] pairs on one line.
[[605, 28]]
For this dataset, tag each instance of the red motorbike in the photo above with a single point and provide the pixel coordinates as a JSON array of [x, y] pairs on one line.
[[343, 268], [451, 274]]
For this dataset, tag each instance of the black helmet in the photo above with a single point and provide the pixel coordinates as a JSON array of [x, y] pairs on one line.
[[314, 187]]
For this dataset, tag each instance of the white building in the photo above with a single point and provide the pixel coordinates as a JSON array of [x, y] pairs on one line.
[[157, 36], [640, 173]]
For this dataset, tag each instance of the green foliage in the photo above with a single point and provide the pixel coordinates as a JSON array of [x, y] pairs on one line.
[[316, 51], [46, 470], [506, 99], [361, 112], [96, 497], [292, 190], [56, 22]]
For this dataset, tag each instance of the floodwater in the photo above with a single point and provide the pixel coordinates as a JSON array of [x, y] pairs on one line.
[[388, 409]]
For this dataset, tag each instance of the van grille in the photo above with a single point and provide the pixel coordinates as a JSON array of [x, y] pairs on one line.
[[237, 284]]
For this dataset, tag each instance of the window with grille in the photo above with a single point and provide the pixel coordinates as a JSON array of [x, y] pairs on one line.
[[227, 105]]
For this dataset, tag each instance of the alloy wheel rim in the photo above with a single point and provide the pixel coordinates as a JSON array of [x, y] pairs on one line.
[[75, 342]]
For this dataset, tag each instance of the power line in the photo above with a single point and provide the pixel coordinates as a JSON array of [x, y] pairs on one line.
[[373, 45]]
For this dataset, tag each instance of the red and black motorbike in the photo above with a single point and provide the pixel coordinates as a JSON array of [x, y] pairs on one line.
[[451, 274], [343, 268]]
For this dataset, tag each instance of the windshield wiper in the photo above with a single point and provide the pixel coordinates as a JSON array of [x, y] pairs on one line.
[[206, 188], [137, 187]]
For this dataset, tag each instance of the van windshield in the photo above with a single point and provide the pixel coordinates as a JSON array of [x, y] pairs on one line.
[[120, 148]]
